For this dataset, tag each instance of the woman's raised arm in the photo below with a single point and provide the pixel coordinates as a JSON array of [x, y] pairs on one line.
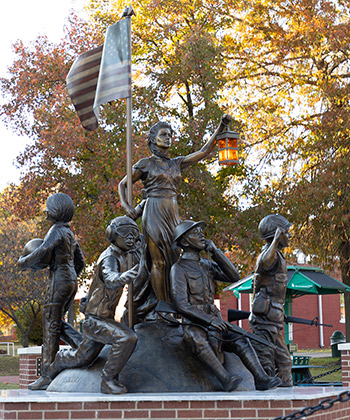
[[208, 147]]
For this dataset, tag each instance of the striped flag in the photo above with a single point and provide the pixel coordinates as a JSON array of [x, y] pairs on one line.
[[101, 75]]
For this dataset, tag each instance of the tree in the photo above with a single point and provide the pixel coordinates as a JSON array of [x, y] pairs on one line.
[[21, 293], [183, 69], [31, 325], [290, 63], [5, 322]]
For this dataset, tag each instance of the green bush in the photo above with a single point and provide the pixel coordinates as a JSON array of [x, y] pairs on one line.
[[36, 334]]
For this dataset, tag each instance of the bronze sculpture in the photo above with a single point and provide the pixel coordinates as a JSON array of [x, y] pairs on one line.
[[270, 285], [161, 176], [62, 253], [193, 280], [189, 283], [100, 327]]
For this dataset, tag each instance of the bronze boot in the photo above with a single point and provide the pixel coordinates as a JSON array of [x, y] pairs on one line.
[[112, 386], [40, 384], [248, 356], [230, 383]]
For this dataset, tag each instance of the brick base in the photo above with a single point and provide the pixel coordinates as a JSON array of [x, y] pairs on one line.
[[27, 370], [345, 363], [28, 357], [345, 367], [243, 406]]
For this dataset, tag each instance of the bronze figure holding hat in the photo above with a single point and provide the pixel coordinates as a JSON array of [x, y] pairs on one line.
[[61, 252]]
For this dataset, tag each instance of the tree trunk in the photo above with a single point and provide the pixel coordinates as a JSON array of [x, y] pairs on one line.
[[347, 315], [25, 338]]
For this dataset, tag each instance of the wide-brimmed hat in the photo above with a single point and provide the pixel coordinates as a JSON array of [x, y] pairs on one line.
[[182, 228]]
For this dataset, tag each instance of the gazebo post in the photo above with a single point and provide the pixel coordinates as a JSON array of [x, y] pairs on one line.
[[288, 312]]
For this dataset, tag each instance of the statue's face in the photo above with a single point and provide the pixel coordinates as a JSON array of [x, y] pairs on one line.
[[126, 237], [195, 239], [284, 239], [163, 138], [49, 216]]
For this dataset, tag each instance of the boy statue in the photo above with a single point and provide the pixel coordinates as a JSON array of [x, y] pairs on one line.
[[99, 326], [61, 253], [192, 281], [269, 291]]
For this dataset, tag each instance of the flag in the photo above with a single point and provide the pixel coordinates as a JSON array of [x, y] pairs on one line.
[[82, 82], [101, 75], [114, 79]]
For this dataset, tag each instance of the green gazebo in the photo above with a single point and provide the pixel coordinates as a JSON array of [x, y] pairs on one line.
[[302, 281]]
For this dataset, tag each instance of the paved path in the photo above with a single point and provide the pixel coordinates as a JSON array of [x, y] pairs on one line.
[[313, 354], [10, 379]]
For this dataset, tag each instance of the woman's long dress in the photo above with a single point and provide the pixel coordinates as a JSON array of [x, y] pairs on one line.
[[160, 177]]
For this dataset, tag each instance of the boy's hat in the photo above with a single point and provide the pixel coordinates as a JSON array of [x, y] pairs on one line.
[[116, 223], [182, 228], [124, 221], [269, 224], [31, 246]]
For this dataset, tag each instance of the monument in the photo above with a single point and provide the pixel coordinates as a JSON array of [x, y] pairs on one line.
[[208, 357], [172, 338]]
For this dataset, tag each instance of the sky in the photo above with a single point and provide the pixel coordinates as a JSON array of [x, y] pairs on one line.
[[25, 20]]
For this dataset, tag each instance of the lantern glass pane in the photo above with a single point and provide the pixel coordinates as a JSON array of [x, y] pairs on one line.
[[232, 143], [232, 154], [222, 143]]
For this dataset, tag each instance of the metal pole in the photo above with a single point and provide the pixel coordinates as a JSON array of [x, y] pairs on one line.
[[240, 323], [130, 12], [130, 202], [320, 317]]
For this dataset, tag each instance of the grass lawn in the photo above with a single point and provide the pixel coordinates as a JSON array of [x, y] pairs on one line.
[[5, 385], [9, 365], [330, 363]]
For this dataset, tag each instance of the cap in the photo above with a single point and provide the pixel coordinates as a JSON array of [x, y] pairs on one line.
[[31, 246], [269, 224], [182, 228]]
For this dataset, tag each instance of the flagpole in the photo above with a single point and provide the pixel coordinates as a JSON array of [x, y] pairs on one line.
[[128, 13]]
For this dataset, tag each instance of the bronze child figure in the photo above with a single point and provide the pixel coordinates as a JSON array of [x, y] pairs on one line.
[[99, 326], [61, 252], [270, 285], [193, 283]]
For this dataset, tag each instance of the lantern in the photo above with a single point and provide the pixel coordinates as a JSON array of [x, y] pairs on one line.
[[228, 147]]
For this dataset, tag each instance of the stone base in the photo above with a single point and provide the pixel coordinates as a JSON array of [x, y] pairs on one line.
[[253, 405], [160, 363]]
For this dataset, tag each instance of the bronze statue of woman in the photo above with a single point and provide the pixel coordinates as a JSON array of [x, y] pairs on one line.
[[161, 176]]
